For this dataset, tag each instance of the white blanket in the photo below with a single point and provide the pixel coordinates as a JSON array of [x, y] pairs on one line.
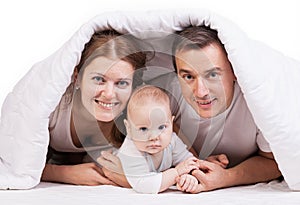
[[267, 78], [275, 193]]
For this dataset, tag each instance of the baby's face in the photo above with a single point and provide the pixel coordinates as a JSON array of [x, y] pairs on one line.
[[150, 127]]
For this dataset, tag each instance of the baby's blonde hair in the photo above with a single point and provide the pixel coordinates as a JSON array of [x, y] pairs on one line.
[[146, 94]]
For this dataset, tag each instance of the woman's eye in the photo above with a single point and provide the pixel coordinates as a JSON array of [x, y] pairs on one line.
[[98, 79], [122, 84], [162, 127]]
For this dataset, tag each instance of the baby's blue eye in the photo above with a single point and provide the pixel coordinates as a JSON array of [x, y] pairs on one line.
[[162, 127], [143, 129]]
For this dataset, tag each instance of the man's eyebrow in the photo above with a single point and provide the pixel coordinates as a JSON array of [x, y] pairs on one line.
[[185, 71], [213, 69]]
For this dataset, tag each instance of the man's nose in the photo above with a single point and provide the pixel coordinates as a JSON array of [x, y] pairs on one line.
[[201, 89]]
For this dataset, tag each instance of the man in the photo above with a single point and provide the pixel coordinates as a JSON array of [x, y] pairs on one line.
[[209, 86]]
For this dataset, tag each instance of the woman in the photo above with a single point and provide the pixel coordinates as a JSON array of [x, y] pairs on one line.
[[85, 119]]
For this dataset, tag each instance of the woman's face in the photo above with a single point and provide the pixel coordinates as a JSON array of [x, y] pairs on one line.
[[106, 86]]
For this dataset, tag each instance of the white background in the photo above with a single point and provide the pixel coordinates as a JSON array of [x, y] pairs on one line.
[[31, 30]]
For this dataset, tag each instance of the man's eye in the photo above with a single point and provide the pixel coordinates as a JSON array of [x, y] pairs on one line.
[[213, 74], [187, 77], [162, 127]]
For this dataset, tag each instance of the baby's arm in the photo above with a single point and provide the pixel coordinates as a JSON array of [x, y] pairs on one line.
[[187, 183], [187, 165], [169, 176]]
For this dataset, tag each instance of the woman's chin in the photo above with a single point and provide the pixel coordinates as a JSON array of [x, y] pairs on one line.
[[105, 118]]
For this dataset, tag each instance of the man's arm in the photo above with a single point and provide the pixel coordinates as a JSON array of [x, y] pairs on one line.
[[260, 168]]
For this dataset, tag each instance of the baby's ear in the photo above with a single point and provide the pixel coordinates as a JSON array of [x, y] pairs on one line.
[[127, 125]]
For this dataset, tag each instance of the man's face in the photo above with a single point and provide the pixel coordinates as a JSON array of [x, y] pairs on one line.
[[206, 79]]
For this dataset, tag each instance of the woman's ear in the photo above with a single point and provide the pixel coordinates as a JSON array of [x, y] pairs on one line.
[[75, 79], [75, 74], [172, 119]]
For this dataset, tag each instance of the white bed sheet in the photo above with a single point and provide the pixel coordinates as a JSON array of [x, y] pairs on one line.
[[274, 192]]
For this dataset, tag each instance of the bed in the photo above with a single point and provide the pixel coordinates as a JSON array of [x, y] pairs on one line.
[[262, 73]]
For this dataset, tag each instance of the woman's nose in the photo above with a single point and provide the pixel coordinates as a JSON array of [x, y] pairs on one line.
[[108, 90]]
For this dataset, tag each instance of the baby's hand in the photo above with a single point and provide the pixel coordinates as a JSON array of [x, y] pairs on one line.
[[187, 183], [187, 165]]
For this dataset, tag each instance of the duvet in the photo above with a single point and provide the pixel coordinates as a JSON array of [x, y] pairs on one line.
[[268, 79]]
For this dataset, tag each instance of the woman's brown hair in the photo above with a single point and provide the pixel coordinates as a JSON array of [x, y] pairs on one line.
[[114, 46]]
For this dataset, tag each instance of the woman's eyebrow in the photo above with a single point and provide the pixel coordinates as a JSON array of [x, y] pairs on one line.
[[93, 73], [105, 77]]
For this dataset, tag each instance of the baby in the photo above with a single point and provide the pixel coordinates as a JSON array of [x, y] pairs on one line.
[[151, 148]]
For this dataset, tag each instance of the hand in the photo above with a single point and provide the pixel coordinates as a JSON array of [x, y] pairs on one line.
[[187, 183], [220, 159], [210, 176], [187, 165], [86, 174], [110, 162], [112, 168]]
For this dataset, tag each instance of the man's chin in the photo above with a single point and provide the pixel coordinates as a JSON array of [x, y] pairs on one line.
[[205, 114]]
